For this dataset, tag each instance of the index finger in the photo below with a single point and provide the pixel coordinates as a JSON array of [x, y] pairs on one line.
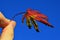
[[3, 21]]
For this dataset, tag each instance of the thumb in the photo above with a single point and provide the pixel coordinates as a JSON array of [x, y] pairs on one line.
[[8, 31], [10, 26]]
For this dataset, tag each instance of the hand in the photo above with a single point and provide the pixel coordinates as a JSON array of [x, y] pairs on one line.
[[8, 28]]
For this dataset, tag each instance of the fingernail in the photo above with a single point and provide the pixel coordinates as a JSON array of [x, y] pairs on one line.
[[13, 23]]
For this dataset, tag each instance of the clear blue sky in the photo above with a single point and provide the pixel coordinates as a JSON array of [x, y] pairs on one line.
[[51, 8]]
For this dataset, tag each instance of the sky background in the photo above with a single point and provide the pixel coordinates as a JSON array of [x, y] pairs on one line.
[[50, 8]]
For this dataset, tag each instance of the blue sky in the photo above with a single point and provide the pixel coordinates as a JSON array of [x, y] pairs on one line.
[[50, 8]]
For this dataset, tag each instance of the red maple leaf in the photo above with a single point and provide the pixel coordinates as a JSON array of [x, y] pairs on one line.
[[34, 15]]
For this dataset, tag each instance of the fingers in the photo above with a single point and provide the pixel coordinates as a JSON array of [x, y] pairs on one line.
[[8, 31], [3, 21], [3, 18]]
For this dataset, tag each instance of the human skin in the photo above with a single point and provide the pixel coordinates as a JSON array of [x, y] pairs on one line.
[[8, 28]]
